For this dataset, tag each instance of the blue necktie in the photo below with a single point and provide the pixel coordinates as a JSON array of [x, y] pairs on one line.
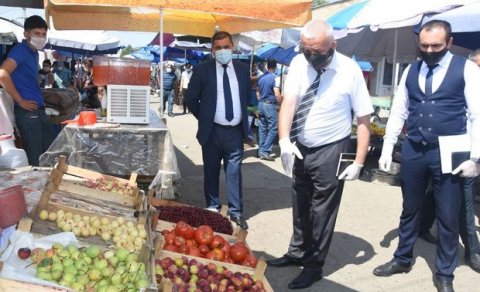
[[304, 107], [227, 94], [428, 80]]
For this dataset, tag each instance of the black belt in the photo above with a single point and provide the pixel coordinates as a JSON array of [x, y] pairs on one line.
[[268, 101], [226, 126]]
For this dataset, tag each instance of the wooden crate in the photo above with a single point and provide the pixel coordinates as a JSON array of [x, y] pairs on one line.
[[71, 179], [8, 285], [257, 274], [239, 234]]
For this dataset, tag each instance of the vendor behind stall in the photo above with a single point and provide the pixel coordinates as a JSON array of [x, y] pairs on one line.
[[19, 77], [89, 89]]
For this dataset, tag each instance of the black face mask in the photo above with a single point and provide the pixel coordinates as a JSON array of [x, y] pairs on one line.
[[319, 61], [432, 58]]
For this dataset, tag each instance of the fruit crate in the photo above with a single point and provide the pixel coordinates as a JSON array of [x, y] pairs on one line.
[[238, 234], [257, 274], [91, 184], [8, 285]]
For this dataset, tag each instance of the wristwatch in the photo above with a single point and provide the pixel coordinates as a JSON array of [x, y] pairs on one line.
[[475, 159]]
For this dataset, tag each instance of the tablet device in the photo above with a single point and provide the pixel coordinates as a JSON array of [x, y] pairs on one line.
[[345, 160], [459, 158]]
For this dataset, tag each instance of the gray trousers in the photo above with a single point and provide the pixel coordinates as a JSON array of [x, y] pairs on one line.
[[316, 198]]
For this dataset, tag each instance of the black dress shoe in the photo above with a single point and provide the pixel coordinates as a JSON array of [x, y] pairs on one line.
[[284, 261], [428, 237], [444, 286], [391, 268], [305, 279], [240, 221], [473, 261]]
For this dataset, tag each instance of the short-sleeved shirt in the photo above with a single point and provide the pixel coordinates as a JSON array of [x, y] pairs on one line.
[[265, 86], [186, 78], [25, 76], [342, 89]]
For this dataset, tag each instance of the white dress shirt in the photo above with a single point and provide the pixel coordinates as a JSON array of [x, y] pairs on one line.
[[399, 111], [220, 111], [186, 78], [342, 89]]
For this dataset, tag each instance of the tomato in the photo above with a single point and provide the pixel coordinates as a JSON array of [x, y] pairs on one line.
[[191, 242], [204, 234], [216, 254], [184, 230], [228, 260], [194, 251], [217, 242], [226, 249], [179, 241], [251, 260], [183, 249], [203, 249], [169, 238], [238, 252], [170, 248]]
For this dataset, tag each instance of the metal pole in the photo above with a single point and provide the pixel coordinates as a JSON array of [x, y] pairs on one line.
[[394, 65], [161, 64]]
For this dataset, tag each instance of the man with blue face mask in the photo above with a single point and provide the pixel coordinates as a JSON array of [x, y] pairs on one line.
[[217, 96], [19, 77]]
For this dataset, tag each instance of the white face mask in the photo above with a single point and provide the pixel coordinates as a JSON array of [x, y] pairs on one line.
[[189, 69], [38, 43], [169, 70], [223, 56]]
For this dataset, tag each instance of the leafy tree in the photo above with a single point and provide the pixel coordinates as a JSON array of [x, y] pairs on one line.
[[128, 50], [316, 3]]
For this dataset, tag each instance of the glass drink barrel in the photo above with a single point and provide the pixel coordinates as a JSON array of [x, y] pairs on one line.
[[108, 70]]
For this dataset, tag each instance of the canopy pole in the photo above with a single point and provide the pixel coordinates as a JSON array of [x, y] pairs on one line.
[[394, 65], [251, 59], [161, 64]]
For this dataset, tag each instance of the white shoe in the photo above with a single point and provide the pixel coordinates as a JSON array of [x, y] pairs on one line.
[[212, 209]]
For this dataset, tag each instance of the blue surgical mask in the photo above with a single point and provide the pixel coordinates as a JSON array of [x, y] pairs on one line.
[[223, 56]]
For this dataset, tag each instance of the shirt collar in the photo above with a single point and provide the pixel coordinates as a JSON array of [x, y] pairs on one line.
[[229, 64]]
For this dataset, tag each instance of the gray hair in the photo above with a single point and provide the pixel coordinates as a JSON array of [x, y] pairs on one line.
[[317, 27]]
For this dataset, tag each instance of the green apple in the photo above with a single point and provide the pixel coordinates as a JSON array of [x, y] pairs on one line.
[[132, 257], [142, 283], [83, 279], [93, 251], [159, 270], [67, 262], [103, 282], [101, 288], [121, 254], [57, 246], [68, 278], [81, 265], [70, 269], [116, 278], [108, 254], [71, 248], [133, 267], [113, 261], [44, 275], [112, 289], [141, 267], [107, 271], [46, 269], [77, 286], [94, 275], [57, 274], [101, 264], [63, 253]]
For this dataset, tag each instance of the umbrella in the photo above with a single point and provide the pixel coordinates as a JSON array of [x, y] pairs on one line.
[[182, 16], [464, 22], [10, 32], [168, 38], [81, 40]]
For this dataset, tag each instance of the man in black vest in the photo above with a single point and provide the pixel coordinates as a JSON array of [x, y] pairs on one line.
[[432, 98]]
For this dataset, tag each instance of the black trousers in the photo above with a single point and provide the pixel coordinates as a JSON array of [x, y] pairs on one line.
[[316, 198]]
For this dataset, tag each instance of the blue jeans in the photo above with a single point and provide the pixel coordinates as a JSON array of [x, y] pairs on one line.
[[36, 132], [168, 95], [268, 126], [467, 219]]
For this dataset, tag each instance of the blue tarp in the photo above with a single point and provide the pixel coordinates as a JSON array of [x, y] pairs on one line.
[[341, 19], [152, 53]]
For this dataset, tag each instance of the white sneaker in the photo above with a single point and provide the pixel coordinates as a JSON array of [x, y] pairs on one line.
[[212, 209]]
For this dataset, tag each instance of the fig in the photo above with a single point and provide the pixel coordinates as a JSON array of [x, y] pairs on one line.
[[24, 253]]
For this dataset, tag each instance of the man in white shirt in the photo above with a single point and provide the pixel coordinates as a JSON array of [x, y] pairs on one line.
[[185, 79], [432, 99], [321, 90]]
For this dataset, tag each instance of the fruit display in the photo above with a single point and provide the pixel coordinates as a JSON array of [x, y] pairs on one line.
[[121, 232], [90, 269], [377, 130], [108, 185], [202, 242], [190, 275], [196, 217]]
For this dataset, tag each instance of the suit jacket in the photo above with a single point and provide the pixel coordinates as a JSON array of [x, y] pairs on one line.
[[201, 96]]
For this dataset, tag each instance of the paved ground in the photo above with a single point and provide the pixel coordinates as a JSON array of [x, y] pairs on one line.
[[365, 233]]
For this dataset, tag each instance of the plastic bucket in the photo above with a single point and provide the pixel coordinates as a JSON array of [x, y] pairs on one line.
[[12, 206]]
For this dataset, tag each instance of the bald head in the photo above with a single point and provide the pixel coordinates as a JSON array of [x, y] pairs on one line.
[[318, 30]]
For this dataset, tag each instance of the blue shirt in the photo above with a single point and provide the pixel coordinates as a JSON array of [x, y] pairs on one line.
[[169, 80], [265, 86], [25, 76]]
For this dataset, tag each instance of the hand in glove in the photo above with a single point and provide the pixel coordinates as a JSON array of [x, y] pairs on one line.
[[385, 161], [467, 169], [288, 150], [352, 172]]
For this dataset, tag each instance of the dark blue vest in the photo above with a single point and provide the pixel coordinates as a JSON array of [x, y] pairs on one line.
[[444, 111]]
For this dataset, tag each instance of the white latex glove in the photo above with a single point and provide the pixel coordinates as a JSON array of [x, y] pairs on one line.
[[385, 161], [352, 172], [288, 150], [467, 169]]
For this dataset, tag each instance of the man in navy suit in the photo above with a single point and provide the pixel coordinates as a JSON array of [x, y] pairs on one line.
[[217, 96]]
